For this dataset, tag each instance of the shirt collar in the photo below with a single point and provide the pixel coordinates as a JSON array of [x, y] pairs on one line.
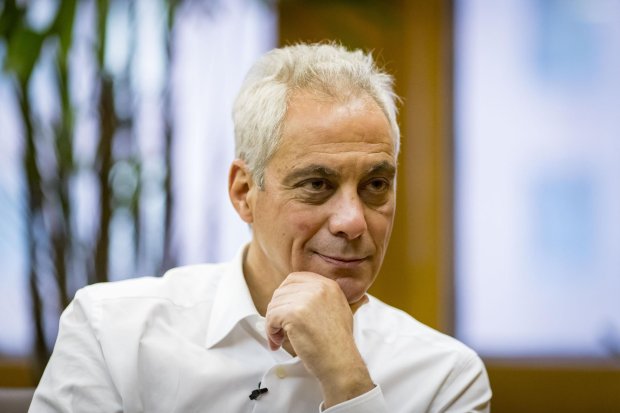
[[232, 303]]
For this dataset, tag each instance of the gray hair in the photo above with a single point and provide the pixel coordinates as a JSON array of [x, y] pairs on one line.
[[331, 69]]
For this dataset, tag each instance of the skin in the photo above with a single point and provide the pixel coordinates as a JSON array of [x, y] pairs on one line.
[[321, 225]]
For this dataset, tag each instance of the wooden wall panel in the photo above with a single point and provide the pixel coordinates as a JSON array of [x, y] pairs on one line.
[[410, 39]]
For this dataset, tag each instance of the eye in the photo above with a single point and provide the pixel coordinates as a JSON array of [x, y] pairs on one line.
[[316, 185], [378, 185], [376, 191]]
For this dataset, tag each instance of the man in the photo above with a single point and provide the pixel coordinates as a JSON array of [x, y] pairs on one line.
[[287, 326]]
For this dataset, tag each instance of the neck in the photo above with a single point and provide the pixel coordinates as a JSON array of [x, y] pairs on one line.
[[260, 284], [261, 287]]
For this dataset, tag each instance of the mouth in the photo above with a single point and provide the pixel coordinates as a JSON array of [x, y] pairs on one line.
[[344, 262]]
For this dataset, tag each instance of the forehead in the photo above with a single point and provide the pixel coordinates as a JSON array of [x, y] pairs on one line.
[[333, 128]]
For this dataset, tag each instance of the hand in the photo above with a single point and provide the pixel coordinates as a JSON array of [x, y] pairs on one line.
[[312, 312]]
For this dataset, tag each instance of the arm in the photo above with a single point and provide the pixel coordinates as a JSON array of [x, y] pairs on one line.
[[310, 313], [76, 378]]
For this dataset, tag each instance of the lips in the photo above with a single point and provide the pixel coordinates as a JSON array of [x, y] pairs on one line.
[[342, 261]]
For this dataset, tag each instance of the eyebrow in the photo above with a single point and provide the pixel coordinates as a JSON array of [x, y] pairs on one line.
[[311, 170], [322, 171], [383, 168]]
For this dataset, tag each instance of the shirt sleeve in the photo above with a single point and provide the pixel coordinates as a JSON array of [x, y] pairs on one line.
[[76, 378], [369, 402], [467, 389]]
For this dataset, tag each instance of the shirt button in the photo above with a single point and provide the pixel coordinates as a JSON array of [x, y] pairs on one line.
[[280, 372]]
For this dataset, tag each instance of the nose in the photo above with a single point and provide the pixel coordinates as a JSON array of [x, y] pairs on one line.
[[347, 220]]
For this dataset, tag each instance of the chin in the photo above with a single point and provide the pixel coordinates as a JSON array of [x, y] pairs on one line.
[[354, 289], [354, 280]]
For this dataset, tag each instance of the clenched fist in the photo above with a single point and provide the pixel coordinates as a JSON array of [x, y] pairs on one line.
[[312, 313]]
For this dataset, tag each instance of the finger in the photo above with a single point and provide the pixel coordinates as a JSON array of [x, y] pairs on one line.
[[292, 293], [275, 341], [273, 327], [302, 277]]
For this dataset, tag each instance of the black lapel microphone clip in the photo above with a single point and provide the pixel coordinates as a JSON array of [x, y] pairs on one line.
[[258, 392]]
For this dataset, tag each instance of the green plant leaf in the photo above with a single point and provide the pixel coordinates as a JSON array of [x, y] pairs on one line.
[[24, 48], [10, 18], [64, 24]]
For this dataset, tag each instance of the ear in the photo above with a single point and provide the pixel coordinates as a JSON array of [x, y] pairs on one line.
[[240, 189]]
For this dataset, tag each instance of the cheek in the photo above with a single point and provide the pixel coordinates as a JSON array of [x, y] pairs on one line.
[[305, 221], [380, 227], [302, 226]]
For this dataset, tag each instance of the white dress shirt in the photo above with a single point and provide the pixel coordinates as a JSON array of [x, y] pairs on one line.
[[192, 341]]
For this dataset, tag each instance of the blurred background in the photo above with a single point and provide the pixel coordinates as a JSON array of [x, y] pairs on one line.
[[116, 136]]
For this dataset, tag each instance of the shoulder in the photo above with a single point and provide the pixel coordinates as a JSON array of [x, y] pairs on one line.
[[120, 313], [404, 354], [181, 286], [397, 333]]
